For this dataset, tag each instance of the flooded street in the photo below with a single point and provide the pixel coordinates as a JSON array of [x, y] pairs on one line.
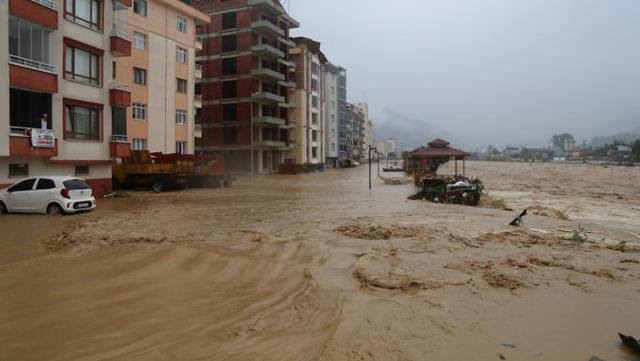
[[317, 267]]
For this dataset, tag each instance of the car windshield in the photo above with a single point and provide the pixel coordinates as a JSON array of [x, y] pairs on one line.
[[74, 184]]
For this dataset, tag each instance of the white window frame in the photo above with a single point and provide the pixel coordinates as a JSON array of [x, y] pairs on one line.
[[181, 147], [138, 144], [186, 86], [145, 7], [139, 40], [181, 116], [181, 24], [139, 111], [181, 55]]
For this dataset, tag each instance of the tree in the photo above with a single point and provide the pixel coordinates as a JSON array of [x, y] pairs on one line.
[[635, 150], [559, 140]]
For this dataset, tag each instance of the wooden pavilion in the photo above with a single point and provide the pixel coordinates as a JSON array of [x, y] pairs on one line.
[[427, 160]]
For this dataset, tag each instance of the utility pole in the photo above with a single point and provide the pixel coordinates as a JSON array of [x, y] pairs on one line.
[[584, 151], [369, 167]]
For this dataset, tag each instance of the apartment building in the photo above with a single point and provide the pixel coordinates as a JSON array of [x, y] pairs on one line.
[[75, 93], [308, 132], [331, 110], [246, 114], [355, 127], [367, 130], [345, 132], [391, 148]]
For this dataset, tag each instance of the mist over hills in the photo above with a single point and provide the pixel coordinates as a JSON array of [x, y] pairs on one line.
[[627, 137]]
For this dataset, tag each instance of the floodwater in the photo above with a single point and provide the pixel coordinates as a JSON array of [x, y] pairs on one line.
[[317, 267]]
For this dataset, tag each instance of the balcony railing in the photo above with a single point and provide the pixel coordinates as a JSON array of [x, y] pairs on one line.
[[197, 72], [19, 131], [119, 138], [33, 64], [119, 32], [48, 3]]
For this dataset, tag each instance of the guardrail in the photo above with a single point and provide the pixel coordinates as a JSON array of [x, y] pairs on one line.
[[119, 138], [33, 64]]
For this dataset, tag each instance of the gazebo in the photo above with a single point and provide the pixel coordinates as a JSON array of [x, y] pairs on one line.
[[427, 160]]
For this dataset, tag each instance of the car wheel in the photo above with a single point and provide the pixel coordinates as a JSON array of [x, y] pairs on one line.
[[158, 187], [53, 209], [3, 208]]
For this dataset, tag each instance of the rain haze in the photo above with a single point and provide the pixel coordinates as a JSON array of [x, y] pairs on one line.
[[485, 71]]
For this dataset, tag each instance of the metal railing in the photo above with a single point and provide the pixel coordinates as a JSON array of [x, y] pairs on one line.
[[33, 64], [119, 138], [115, 31], [198, 66], [21, 131], [47, 3]]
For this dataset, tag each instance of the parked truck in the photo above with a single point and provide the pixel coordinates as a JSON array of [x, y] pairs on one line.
[[162, 172]]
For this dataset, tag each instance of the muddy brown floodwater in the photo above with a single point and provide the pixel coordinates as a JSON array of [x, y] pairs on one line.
[[316, 267]]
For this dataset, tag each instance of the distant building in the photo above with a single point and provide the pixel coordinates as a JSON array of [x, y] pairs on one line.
[[331, 112], [389, 148], [344, 129], [367, 138]]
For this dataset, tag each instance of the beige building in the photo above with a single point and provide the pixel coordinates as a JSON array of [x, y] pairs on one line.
[[367, 131], [308, 135], [84, 81]]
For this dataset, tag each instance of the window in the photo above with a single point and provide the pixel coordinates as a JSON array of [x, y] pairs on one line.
[[44, 183], [81, 65], [181, 147], [182, 24], [27, 108], [229, 89], [181, 116], [230, 135], [18, 170], [314, 68], [25, 185], [333, 133], [229, 112], [81, 123], [229, 43], [333, 147], [314, 101], [333, 90], [29, 41], [119, 122], [314, 135], [229, 66], [139, 111], [139, 40], [181, 55], [181, 85], [84, 12], [139, 76], [140, 7], [314, 118], [113, 69], [229, 21], [314, 85], [314, 152], [139, 144], [82, 169], [333, 118]]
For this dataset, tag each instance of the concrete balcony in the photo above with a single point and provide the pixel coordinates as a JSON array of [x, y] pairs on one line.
[[21, 144], [42, 12], [287, 84], [120, 43], [267, 74], [197, 71], [269, 121], [287, 42], [119, 146], [197, 131], [271, 144], [197, 101], [267, 51], [120, 95], [270, 98], [198, 43], [267, 28]]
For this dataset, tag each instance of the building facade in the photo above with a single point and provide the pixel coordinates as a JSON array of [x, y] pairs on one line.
[[389, 148], [367, 132], [307, 135], [74, 92], [345, 135], [356, 126], [331, 73], [246, 80]]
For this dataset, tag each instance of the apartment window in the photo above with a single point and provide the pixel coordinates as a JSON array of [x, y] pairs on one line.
[[314, 101], [333, 133], [82, 169], [82, 65], [81, 123], [139, 40], [333, 147], [181, 116], [26, 108], [229, 21], [181, 85], [139, 76], [333, 90], [139, 144], [333, 118], [181, 147], [139, 111], [29, 41], [314, 152], [229, 89], [314, 135], [19, 170], [229, 66], [230, 135], [229, 43], [229, 112], [140, 7], [314, 118], [113, 70], [314, 68], [182, 24], [181, 55], [333, 104], [314, 85], [84, 12], [119, 122]]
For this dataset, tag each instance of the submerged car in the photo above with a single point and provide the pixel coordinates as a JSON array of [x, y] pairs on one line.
[[51, 195]]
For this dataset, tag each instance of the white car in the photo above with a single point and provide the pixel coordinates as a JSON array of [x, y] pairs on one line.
[[51, 195]]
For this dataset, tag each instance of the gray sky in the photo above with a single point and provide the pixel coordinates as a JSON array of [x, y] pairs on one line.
[[487, 71]]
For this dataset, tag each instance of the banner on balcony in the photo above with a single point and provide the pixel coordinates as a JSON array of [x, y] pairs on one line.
[[42, 138]]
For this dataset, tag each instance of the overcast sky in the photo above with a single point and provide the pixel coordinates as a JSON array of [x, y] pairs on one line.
[[488, 71]]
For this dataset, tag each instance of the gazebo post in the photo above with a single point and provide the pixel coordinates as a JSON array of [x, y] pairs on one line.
[[464, 168]]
